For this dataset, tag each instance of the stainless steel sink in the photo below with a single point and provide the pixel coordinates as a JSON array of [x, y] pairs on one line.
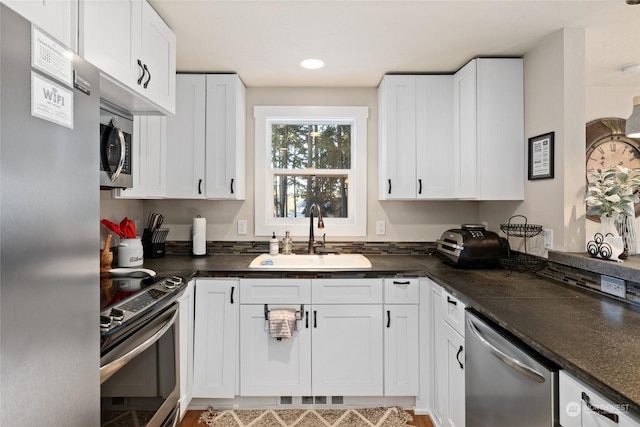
[[310, 261]]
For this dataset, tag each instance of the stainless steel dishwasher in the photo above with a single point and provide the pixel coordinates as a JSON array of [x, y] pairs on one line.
[[507, 384]]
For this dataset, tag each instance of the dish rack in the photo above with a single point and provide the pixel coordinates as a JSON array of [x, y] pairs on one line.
[[522, 262]]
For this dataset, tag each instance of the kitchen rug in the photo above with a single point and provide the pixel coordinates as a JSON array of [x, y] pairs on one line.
[[374, 417]]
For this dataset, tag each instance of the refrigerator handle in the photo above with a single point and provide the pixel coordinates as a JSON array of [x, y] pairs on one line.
[[504, 358]]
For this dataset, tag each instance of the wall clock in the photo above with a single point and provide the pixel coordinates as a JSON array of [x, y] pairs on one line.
[[607, 147]]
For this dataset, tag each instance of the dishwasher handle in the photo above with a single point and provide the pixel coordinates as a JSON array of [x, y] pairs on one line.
[[505, 358]]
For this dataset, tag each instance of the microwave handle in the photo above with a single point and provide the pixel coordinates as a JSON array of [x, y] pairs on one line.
[[123, 150]]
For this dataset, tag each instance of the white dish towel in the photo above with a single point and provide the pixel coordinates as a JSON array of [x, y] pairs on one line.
[[282, 323]]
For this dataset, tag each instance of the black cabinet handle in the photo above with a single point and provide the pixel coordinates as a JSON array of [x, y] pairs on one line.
[[315, 319], [149, 74], [458, 357], [306, 315], [232, 289], [452, 301], [396, 282], [389, 187], [419, 186], [142, 68], [231, 185], [606, 414], [200, 186], [388, 318]]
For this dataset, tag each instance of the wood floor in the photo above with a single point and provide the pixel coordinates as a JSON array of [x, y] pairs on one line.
[[191, 420]]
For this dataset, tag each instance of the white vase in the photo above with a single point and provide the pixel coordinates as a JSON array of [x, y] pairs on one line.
[[627, 229], [606, 243]]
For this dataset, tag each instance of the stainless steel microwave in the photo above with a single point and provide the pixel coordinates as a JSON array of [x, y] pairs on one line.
[[116, 133]]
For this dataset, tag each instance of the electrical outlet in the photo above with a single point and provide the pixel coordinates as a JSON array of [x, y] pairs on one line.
[[381, 228], [242, 226], [613, 286], [548, 238]]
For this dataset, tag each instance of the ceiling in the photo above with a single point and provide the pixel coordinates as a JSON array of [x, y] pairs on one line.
[[360, 40]]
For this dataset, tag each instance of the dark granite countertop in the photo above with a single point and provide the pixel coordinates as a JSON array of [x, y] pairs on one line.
[[594, 337]]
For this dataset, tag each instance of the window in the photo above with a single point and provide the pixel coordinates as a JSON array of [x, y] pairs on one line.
[[307, 155]]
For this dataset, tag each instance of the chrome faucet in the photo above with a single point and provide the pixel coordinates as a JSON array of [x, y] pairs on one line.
[[312, 243]]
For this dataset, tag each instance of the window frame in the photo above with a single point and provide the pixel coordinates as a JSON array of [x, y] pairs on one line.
[[356, 222]]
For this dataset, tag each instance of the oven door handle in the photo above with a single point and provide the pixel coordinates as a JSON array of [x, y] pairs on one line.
[[111, 368]]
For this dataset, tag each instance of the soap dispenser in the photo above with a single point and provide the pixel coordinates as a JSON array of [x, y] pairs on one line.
[[286, 244], [274, 245]]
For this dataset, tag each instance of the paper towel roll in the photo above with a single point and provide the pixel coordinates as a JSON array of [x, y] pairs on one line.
[[199, 236]]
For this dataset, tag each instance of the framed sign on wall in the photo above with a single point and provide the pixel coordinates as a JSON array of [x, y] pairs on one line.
[[541, 156]]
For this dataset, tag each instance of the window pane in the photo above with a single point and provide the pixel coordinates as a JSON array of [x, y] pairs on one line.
[[328, 192], [319, 146]]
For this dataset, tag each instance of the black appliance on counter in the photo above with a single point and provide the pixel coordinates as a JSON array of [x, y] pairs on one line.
[[139, 350], [472, 246]]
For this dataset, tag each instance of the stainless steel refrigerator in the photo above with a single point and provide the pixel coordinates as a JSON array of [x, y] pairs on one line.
[[49, 231]]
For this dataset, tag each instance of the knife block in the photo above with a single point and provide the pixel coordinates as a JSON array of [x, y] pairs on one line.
[[153, 242]]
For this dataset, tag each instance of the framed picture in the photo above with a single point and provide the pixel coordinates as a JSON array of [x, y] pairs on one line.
[[541, 156]]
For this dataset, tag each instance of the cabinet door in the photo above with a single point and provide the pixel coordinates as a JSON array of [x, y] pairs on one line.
[[186, 346], [269, 367], [58, 18], [347, 350], [225, 136], [453, 312], [186, 139], [215, 338], [397, 138], [464, 133], [148, 158], [401, 368], [110, 37], [454, 388], [574, 411], [158, 54], [434, 156], [346, 291], [500, 128], [439, 378], [401, 290]]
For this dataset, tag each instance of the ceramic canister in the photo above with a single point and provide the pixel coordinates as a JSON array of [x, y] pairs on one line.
[[130, 252]]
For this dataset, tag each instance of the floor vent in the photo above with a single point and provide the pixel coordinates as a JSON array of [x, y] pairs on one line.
[[337, 400], [286, 400], [307, 400], [321, 400]]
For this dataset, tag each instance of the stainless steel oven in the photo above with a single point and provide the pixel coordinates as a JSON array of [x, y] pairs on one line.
[[139, 360]]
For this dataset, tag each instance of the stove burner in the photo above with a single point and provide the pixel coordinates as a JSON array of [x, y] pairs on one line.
[[128, 298]]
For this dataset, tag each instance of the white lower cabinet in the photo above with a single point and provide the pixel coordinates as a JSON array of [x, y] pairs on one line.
[[347, 350], [582, 406], [339, 347], [186, 346], [271, 367], [215, 338], [448, 408]]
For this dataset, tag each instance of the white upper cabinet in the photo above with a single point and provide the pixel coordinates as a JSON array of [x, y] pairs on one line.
[[225, 137], [186, 139], [58, 18], [415, 137], [206, 138], [489, 130], [135, 51]]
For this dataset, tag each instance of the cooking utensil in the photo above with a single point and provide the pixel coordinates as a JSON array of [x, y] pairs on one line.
[[128, 228], [113, 227]]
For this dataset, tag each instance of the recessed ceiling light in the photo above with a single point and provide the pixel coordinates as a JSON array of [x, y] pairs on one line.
[[312, 64]]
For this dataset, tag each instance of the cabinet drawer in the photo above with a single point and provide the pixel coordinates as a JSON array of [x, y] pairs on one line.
[[453, 312], [401, 290], [275, 291], [347, 291]]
